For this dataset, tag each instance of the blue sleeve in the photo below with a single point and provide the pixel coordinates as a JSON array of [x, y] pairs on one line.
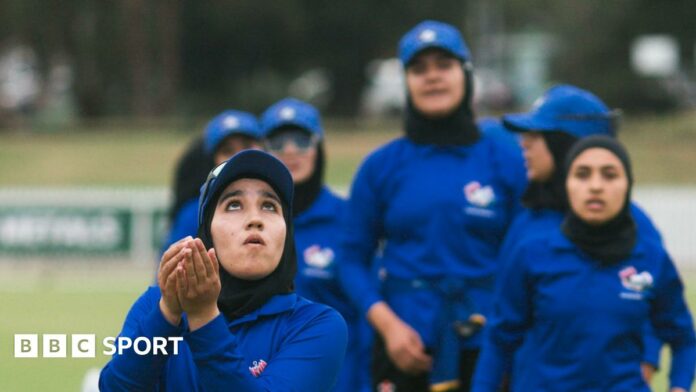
[[130, 371], [309, 359], [673, 324], [651, 346], [645, 226], [362, 228], [185, 223], [512, 169], [510, 320]]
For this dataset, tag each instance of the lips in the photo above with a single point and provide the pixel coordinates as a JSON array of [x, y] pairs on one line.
[[595, 204], [254, 239]]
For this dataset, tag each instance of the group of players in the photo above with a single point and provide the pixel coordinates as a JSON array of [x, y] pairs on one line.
[[458, 262]]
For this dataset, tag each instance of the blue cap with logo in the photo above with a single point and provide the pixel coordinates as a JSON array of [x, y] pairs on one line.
[[229, 122], [433, 34], [291, 112], [246, 164], [566, 108]]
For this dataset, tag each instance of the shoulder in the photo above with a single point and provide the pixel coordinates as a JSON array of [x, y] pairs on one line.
[[307, 315]]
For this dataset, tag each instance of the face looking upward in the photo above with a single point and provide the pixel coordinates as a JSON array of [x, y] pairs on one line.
[[537, 157], [248, 229], [597, 184], [435, 83]]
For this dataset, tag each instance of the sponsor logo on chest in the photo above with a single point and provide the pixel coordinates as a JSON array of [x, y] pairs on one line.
[[480, 199], [636, 283]]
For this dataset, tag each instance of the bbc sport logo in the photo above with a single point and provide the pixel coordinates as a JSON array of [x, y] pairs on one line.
[[85, 345]]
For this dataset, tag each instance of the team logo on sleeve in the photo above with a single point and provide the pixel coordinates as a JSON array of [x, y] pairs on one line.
[[479, 196], [257, 367], [634, 281]]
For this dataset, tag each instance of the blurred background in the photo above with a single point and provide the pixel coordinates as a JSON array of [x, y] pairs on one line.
[[98, 99]]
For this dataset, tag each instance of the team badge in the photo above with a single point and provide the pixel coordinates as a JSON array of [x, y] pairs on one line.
[[386, 386], [479, 196], [287, 113], [317, 257], [231, 122], [257, 367], [634, 281], [427, 35]]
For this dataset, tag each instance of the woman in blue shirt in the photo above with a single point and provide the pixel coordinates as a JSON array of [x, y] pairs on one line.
[[229, 295], [439, 200], [560, 117], [293, 133], [580, 296]]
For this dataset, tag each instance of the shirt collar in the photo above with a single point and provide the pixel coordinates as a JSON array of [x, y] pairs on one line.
[[277, 304]]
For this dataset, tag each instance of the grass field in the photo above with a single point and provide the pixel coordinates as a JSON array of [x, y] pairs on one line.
[[662, 149], [94, 298]]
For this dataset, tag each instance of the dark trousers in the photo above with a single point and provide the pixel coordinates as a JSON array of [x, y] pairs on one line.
[[386, 377]]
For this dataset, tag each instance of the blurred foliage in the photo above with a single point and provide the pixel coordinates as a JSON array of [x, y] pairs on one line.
[[192, 57]]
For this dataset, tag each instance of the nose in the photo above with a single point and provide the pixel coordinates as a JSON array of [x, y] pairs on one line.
[[254, 222], [596, 184]]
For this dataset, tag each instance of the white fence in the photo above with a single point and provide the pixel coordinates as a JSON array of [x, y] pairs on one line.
[[127, 224]]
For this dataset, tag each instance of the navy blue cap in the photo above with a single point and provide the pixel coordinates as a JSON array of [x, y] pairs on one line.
[[230, 122], [291, 112], [247, 164], [565, 108], [433, 34]]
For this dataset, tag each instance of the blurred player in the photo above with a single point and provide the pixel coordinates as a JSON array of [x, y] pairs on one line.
[[440, 199], [292, 132], [580, 295]]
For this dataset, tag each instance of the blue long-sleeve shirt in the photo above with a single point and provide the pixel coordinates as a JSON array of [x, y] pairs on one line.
[[317, 235], [441, 213], [531, 223], [583, 322], [290, 343]]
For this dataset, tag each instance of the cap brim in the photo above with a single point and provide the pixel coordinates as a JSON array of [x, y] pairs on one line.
[[525, 122], [260, 165]]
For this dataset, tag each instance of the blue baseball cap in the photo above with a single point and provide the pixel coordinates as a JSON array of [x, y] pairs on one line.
[[291, 112], [246, 164], [229, 122], [565, 108], [433, 34]]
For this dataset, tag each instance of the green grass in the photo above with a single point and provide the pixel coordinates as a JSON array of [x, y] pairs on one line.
[[661, 147], [91, 299]]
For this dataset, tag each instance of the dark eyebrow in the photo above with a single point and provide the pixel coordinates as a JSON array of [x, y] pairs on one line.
[[230, 194], [271, 195]]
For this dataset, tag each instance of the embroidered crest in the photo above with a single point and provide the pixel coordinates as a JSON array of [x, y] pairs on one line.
[[634, 281], [257, 367], [427, 35], [477, 195], [317, 257], [231, 122], [287, 113]]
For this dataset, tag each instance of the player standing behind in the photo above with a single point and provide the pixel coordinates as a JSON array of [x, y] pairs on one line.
[[293, 133], [229, 294], [225, 135], [561, 117], [440, 199], [579, 296]]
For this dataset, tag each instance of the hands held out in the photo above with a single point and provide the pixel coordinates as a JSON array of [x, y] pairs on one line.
[[189, 279]]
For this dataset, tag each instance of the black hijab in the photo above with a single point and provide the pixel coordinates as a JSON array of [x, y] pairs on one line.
[[551, 193], [611, 241], [457, 128], [239, 296]]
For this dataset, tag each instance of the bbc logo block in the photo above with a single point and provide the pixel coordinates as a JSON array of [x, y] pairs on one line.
[[54, 345]]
